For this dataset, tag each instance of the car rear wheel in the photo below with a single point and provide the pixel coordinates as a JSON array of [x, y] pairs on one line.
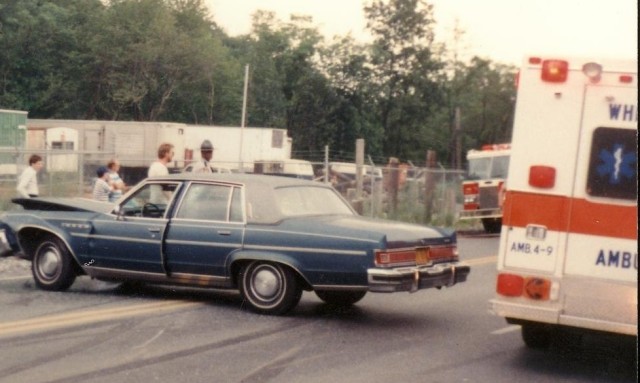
[[340, 298], [52, 265], [537, 336], [269, 288]]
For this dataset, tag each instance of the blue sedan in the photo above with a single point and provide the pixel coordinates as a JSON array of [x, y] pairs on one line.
[[270, 237]]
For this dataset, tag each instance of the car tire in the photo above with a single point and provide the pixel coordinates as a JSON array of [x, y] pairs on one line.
[[537, 336], [340, 298], [269, 288], [52, 265], [492, 225]]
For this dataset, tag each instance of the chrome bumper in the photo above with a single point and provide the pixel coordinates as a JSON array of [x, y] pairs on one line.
[[417, 278]]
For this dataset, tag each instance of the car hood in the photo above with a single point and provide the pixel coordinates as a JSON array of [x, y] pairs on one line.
[[64, 204], [395, 234]]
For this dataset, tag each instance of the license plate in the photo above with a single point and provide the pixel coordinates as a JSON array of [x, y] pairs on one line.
[[422, 256]]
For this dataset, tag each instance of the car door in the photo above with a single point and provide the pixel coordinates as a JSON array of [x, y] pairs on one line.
[[207, 226], [132, 239]]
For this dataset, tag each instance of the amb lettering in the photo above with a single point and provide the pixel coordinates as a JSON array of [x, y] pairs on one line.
[[527, 248], [623, 112], [619, 259]]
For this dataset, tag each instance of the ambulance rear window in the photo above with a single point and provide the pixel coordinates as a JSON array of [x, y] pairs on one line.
[[613, 164]]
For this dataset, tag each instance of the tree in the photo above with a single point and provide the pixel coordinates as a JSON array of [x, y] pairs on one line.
[[345, 63], [405, 68], [43, 61]]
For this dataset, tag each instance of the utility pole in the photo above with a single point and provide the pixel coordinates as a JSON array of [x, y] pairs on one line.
[[244, 114], [458, 130]]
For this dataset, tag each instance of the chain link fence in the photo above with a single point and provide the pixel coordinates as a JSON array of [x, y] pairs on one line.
[[409, 194]]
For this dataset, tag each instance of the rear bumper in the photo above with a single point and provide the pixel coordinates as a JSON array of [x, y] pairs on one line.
[[516, 311], [417, 278]]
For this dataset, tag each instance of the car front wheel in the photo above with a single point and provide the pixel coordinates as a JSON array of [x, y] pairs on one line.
[[340, 298], [269, 288], [52, 265]]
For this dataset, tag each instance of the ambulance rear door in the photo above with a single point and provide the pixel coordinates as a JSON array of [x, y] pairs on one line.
[[600, 269]]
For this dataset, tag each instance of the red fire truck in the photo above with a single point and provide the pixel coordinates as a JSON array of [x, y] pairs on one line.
[[484, 184], [568, 257]]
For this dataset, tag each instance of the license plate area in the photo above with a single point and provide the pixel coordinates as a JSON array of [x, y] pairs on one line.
[[422, 256]]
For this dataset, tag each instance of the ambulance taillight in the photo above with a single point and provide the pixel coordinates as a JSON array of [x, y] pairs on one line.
[[535, 288]]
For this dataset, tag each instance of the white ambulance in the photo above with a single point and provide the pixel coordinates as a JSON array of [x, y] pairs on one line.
[[568, 255]]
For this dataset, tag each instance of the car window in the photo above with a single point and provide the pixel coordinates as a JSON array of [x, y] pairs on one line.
[[149, 201], [310, 200], [211, 202]]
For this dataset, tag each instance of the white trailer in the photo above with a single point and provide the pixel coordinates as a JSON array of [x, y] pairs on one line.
[[238, 148]]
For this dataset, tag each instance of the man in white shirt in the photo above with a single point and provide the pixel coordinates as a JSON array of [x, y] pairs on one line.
[[159, 168], [28, 180], [204, 165]]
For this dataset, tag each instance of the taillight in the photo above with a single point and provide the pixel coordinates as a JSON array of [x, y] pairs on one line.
[[404, 257], [536, 288], [416, 256], [555, 70], [510, 285]]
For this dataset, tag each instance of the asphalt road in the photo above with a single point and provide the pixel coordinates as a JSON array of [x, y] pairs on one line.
[[98, 332]]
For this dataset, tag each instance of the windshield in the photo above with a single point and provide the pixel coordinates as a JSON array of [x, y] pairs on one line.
[[500, 167], [479, 168], [309, 200], [488, 167]]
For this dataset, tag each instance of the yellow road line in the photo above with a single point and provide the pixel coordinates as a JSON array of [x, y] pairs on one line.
[[15, 278], [481, 261], [84, 317]]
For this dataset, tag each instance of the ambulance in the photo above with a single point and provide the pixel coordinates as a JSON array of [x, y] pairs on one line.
[[568, 254], [484, 185]]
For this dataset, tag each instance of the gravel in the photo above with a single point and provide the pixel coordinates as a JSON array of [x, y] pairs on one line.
[[13, 265]]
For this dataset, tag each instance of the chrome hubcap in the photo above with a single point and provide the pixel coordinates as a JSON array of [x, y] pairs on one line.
[[49, 263], [266, 283]]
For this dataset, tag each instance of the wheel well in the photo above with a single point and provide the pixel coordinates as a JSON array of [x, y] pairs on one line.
[[238, 265], [30, 239]]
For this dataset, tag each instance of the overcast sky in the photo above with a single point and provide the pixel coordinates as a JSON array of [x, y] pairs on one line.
[[502, 30]]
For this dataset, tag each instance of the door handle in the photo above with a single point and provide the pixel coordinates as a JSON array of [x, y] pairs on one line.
[[154, 230], [224, 232]]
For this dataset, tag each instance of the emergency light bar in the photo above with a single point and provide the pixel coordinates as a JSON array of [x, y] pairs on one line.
[[555, 70]]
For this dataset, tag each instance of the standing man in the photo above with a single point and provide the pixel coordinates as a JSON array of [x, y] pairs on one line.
[[28, 180], [206, 152], [159, 167]]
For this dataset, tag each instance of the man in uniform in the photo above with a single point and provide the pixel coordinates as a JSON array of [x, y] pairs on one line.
[[204, 165]]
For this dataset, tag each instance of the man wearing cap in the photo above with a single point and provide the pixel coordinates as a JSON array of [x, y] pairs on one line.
[[204, 165]]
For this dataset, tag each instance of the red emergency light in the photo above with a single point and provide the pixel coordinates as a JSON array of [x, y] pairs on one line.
[[555, 70], [541, 176], [626, 79]]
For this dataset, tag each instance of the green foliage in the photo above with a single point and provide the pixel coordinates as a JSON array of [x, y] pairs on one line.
[[153, 60]]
